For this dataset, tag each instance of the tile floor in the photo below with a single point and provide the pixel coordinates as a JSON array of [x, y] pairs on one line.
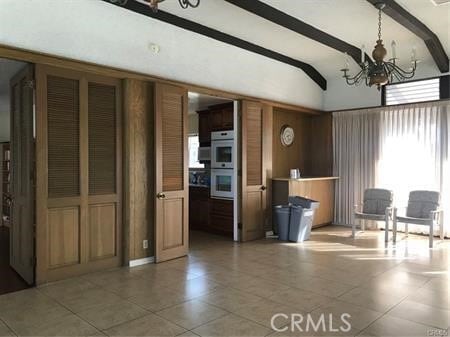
[[229, 289]]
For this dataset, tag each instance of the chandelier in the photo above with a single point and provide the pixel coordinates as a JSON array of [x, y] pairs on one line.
[[153, 4], [380, 72]]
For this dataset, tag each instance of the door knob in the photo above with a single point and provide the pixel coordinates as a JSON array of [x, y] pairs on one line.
[[161, 196], [263, 188]]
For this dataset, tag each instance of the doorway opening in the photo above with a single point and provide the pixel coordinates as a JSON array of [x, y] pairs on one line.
[[17, 191], [213, 167]]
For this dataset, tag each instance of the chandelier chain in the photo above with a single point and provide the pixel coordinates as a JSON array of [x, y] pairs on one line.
[[379, 24]]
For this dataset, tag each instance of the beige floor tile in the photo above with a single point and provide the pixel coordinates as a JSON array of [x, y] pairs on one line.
[[359, 317], [229, 299], [263, 311], [371, 299], [196, 287], [232, 325], [23, 299], [150, 325], [260, 287], [5, 331], [299, 299], [402, 277], [325, 287], [438, 284], [90, 299], [192, 314], [422, 313], [107, 316], [388, 326], [67, 326], [155, 299], [438, 299], [66, 288], [132, 287]]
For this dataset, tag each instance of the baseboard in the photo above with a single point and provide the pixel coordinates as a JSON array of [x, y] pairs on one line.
[[140, 262]]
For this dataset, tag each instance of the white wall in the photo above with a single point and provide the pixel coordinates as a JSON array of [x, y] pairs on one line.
[[4, 118], [98, 32]]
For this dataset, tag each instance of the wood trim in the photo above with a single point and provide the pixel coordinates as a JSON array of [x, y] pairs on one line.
[[92, 68], [413, 24]]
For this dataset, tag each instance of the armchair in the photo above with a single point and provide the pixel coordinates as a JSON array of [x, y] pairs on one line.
[[377, 206], [423, 209]]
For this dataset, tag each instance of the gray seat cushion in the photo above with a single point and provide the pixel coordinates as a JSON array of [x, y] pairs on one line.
[[421, 203], [414, 221], [376, 200], [365, 216]]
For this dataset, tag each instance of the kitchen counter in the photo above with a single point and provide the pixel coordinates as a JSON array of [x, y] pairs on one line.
[[320, 189], [199, 186], [306, 179]]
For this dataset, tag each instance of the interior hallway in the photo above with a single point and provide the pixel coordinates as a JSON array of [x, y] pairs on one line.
[[226, 288], [9, 280]]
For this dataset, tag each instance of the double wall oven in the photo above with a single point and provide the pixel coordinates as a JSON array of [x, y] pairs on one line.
[[222, 164]]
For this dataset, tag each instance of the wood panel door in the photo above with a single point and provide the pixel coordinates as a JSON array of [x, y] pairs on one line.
[[79, 180], [22, 174], [254, 160], [172, 185]]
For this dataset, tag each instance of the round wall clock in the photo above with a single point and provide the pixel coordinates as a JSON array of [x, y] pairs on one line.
[[287, 135]]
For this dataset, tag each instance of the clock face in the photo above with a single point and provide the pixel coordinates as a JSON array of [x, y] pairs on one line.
[[287, 135]]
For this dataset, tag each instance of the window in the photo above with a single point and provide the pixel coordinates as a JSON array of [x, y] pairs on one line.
[[193, 145], [412, 92]]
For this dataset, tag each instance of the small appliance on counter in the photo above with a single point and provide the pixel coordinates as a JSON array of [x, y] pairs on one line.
[[204, 153], [295, 173]]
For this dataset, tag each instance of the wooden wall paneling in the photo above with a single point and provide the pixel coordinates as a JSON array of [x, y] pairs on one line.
[[268, 162], [320, 161], [139, 176], [294, 156]]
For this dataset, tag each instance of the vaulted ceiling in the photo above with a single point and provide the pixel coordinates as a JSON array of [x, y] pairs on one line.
[[352, 21]]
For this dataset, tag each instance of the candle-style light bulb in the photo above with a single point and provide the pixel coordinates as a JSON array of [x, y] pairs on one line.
[[347, 61], [394, 49], [413, 54]]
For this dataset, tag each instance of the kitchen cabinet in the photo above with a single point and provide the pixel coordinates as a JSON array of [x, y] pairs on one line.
[[215, 118], [221, 218], [198, 207]]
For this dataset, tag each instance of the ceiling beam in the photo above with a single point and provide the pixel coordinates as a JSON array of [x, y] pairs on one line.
[[143, 9], [410, 22], [287, 21]]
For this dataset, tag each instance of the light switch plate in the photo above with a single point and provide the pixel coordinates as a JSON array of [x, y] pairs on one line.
[[145, 244]]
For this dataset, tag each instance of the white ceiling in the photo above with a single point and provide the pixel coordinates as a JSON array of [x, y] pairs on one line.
[[354, 21]]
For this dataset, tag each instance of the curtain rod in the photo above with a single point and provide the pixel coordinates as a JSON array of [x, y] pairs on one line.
[[389, 106]]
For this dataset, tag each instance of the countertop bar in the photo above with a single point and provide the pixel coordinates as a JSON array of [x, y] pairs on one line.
[[306, 179]]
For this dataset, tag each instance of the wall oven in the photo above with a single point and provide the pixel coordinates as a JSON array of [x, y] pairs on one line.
[[222, 185], [222, 149]]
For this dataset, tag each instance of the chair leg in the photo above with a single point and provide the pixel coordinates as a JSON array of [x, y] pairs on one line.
[[354, 229], [386, 230], [441, 228], [363, 226], [406, 230], [394, 227], [431, 234]]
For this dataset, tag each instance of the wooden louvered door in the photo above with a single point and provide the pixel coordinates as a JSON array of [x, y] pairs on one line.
[[79, 210], [22, 164], [171, 211], [253, 171]]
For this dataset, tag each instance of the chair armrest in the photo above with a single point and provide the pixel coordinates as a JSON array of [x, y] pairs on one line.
[[357, 208], [436, 215]]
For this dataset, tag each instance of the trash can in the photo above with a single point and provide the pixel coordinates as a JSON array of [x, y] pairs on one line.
[[302, 216], [282, 217]]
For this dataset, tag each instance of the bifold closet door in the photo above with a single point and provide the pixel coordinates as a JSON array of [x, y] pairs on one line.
[[254, 159], [22, 169], [79, 211], [171, 185]]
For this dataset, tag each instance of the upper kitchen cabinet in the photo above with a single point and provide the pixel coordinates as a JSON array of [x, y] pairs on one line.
[[216, 118]]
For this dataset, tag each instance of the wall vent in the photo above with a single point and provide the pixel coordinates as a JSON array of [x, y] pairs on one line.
[[440, 2]]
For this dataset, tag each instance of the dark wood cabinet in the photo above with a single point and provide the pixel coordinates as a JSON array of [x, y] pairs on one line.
[[208, 214], [198, 207], [204, 127], [215, 118]]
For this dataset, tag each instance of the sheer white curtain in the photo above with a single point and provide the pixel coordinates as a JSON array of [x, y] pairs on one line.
[[400, 148]]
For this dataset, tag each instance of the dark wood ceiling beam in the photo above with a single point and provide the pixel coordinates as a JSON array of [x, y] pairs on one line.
[[292, 23], [225, 38], [410, 22]]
